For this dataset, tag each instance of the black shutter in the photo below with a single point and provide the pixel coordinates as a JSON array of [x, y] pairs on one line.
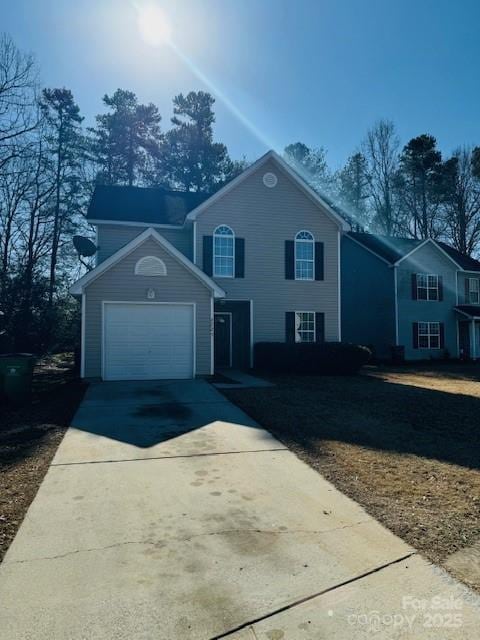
[[467, 290], [319, 275], [289, 259], [319, 327], [414, 287], [415, 335], [208, 255], [442, 335], [239, 258], [290, 326], [440, 288]]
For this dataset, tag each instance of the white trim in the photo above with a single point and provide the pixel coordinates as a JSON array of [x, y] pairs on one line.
[[339, 287], [78, 287], [251, 334], [298, 180], [124, 223], [360, 244], [82, 337], [162, 267], [429, 335], [230, 351], [212, 336], [143, 302], [309, 330], [422, 244], [219, 235], [395, 280], [194, 238], [467, 315], [312, 242], [428, 287]]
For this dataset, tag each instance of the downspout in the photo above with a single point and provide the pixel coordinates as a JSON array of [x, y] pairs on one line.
[[395, 279]]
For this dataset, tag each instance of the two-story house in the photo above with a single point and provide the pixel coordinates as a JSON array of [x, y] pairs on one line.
[[422, 295], [185, 283]]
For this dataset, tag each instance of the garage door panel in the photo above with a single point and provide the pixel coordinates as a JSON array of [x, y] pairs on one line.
[[148, 341]]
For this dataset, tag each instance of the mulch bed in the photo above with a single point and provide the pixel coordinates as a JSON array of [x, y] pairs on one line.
[[404, 443], [29, 437]]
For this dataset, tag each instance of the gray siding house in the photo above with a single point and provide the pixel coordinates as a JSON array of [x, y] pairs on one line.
[[186, 283], [421, 295]]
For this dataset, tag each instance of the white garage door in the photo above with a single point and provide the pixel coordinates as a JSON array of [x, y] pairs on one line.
[[148, 341]]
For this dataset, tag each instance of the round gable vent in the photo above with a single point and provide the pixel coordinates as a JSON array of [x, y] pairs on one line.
[[150, 266], [270, 180]]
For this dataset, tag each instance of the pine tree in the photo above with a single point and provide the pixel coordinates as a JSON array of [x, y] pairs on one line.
[[125, 139], [353, 188], [189, 159]]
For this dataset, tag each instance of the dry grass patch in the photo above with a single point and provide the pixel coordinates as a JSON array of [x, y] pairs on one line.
[[29, 437], [404, 443]]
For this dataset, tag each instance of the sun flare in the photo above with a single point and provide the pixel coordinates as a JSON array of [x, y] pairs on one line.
[[153, 25]]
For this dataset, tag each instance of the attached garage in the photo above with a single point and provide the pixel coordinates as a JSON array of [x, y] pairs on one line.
[[147, 314], [148, 341]]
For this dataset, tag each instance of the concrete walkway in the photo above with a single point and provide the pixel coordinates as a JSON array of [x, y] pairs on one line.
[[168, 514]]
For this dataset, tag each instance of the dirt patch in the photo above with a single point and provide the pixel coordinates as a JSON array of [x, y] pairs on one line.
[[29, 437], [404, 443]]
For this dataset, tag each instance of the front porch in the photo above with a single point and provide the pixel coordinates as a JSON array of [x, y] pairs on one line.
[[469, 331]]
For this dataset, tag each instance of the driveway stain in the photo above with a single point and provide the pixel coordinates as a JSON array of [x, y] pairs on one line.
[[173, 410]]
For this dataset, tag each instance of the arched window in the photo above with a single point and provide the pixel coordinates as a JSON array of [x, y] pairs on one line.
[[304, 256], [223, 252], [150, 266]]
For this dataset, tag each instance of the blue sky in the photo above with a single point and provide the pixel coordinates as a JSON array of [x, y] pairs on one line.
[[317, 71]]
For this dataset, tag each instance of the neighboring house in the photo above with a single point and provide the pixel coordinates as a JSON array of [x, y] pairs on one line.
[[186, 283], [419, 294]]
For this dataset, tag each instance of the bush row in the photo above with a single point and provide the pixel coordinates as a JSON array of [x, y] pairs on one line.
[[326, 358]]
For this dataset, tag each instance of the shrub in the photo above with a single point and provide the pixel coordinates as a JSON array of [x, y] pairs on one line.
[[326, 358]]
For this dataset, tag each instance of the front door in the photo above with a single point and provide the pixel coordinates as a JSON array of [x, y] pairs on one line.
[[223, 340]]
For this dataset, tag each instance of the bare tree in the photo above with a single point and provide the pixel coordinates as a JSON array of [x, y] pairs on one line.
[[463, 201], [18, 81], [380, 148]]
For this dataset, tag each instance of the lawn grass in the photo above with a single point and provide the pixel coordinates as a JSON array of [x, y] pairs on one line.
[[403, 442], [29, 437]]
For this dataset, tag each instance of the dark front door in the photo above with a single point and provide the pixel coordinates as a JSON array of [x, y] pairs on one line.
[[223, 340]]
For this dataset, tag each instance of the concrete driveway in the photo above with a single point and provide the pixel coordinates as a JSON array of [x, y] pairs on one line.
[[168, 514]]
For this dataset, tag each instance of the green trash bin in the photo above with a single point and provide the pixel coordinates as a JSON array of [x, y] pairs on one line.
[[16, 374]]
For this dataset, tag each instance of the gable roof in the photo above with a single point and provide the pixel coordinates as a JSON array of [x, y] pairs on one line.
[[466, 262], [142, 204], [291, 173], [78, 287], [394, 250]]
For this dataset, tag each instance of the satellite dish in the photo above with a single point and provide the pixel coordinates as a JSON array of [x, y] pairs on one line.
[[84, 246]]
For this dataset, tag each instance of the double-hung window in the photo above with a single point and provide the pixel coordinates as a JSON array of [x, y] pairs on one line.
[[473, 291], [304, 326], [429, 335], [223, 252], [304, 256], [427, 287]]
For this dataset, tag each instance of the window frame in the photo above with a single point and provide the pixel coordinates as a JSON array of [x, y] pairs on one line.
[[219, 235], [428, 287], [470, 291], [429, 334], [311, 241], [312, 331]]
